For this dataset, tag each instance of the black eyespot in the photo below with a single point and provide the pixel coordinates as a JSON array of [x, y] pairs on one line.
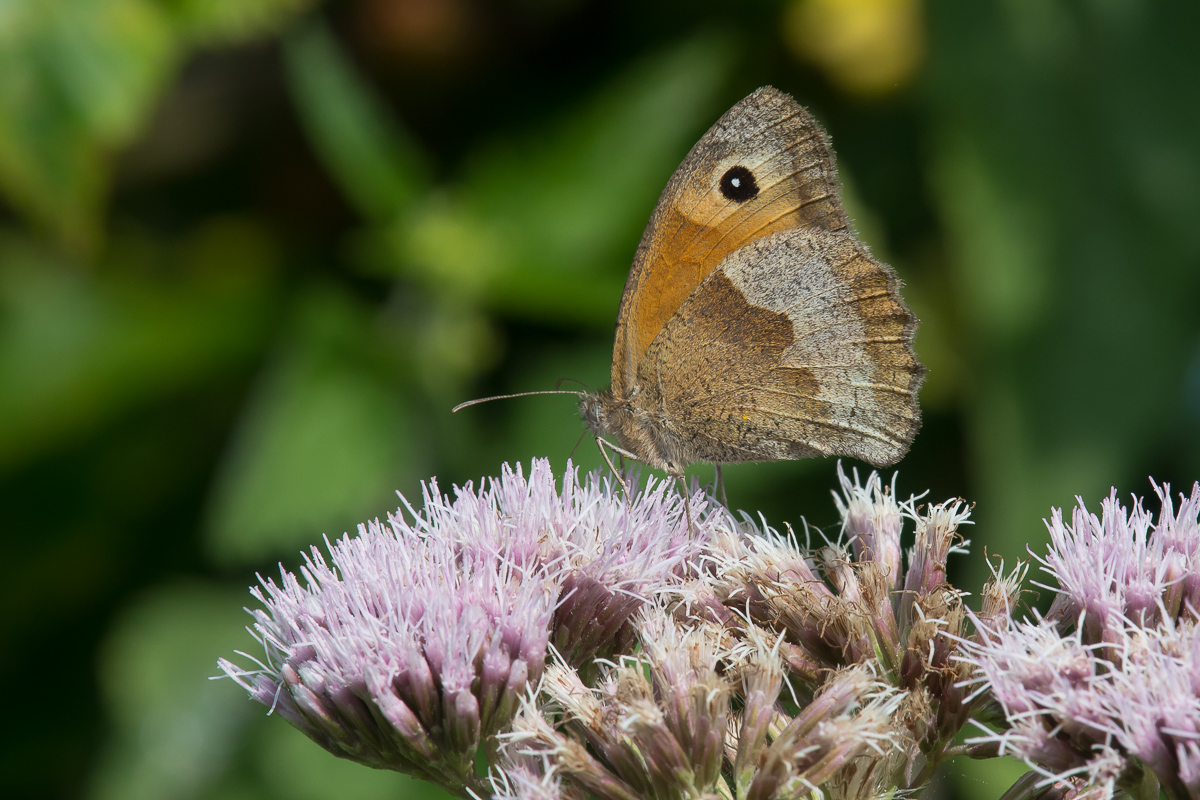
[[738, 184]]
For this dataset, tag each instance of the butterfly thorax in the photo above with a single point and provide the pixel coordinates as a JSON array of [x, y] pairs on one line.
[[636, 431]]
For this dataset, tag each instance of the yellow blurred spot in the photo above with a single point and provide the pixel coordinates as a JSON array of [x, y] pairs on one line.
[[867, 47], [419, 32]]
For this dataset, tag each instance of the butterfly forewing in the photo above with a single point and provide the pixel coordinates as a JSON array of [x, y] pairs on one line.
[[754, 326], [765, 166]]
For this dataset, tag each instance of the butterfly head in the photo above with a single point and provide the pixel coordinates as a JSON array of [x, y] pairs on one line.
[[599, 411], [608, 414]]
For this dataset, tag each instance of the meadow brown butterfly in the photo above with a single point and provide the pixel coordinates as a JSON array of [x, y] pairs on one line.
[[754, 326]]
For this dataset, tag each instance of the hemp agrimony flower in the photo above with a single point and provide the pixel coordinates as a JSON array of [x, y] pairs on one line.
[[1103, 695], [840, 607], [589, 644], [409, 648], [664, 724]]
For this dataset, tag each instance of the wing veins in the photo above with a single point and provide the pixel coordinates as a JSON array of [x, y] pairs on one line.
[[841, 426]]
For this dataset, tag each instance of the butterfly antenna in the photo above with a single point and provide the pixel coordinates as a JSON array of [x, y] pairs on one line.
[[479, 400], [561, 381]]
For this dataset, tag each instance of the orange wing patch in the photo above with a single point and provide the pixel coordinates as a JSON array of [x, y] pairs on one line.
[[708, 211]]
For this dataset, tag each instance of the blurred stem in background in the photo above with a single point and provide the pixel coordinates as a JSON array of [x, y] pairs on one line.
[[1065, 180], [251, 251]]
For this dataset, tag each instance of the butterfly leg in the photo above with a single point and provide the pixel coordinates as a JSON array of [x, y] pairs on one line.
[[602, 444], [687, 502], [719, 485]]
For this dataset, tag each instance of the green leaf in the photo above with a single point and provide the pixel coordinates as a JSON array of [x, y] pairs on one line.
[[77, 78], [77, 349], [546, 227], [211, 21], [1068, 199], [296, 768], [178, 735], [323, 444], [984, 779], [375, 162], [174, 730]]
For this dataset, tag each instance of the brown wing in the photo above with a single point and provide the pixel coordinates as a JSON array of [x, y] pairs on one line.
[[699, 221], [796, 345]]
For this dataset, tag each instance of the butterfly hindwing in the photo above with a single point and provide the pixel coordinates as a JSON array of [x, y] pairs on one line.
[[796, 345]]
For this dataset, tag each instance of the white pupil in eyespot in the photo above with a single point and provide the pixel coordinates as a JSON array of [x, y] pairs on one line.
[[737, 182]]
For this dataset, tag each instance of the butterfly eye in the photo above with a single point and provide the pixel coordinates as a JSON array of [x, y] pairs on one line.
[[738, 184]]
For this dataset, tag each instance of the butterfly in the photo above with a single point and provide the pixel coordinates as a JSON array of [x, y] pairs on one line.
[[754, 326]]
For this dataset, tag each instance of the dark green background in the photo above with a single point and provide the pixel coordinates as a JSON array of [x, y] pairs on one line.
[[252, 251]]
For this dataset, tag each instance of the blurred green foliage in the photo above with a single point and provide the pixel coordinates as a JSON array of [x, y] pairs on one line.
[[78, 78], [252, 251]]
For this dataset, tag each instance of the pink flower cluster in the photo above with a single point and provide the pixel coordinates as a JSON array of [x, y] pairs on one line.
[[591, 644], [410, 646], [1103, 695]]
